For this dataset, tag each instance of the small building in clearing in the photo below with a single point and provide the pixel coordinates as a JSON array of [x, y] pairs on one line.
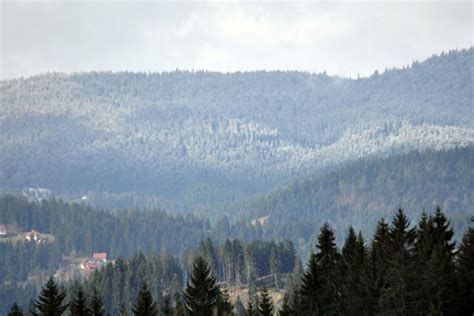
[[99, 256], [3, 230]]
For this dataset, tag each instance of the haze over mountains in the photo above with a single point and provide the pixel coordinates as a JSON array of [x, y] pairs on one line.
[[359, 194], [208, 142]]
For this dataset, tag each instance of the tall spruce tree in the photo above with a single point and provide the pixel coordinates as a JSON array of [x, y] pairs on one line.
[[274, 264], [202, 291], [123, 310], [397, 295], [293, 285], [239, 307], [378, 264], [353, 270], [15, 310], [96, 306], [434, 266], [166, 308], [228, 267], [465, 275], [350, 296], [328, 259], [250, 308], [239, 262], [179, 309], [78, 304], [224, 305], [442, 262], [50, 300], [423, 252], [310, 288], [265, 303], [286, 309], [145, 305], [208, 252]]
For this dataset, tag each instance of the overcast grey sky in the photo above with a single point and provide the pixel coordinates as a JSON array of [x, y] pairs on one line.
[[344, 38]]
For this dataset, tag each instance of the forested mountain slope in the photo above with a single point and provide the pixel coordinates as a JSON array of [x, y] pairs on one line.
[[362, 192], [181, 136]]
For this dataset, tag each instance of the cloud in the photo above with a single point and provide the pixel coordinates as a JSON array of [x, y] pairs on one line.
[[343, 38]]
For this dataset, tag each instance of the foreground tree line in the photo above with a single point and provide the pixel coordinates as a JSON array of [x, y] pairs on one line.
[[405, 271], [235, 263]]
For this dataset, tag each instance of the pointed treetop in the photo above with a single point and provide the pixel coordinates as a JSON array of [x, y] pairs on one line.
[[50, 300], [78, 305], [202, 291], [350, 244], [96, 306], [265, 303], [327, 246], [400, 232], [145, 305], [251, 308], [15, 310]]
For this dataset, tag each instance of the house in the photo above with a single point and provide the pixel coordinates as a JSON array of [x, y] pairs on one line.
[[3, 230], [32, 235], [90, 265], [100, 256]]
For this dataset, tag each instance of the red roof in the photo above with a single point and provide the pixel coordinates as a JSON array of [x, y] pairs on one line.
[[100, 255]]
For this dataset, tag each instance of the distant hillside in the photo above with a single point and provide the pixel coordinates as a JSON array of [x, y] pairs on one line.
[[361, 193], [203, 140]]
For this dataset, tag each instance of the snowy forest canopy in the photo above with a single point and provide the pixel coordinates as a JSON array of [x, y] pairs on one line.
[[174, 136]]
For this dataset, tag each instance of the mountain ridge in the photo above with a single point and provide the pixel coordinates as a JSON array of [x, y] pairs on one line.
[[249, 127]]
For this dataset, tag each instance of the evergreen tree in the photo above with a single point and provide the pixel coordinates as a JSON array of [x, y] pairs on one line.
[[397, 292], [349, 293], [239, 308], [354, 274], [166, 308], [442, 262], [297, 302], [224, 306], [228, 270], [250, 270], [202, 291], [145, 305], [265, 303], [274, 264], [96, 306], [349, 246], [118, 285], [378, 263], [78, 304], [285, 309], [293, 286], [123, 310], [311, 288], [423, 252], [465, 273], [15, 310], [239, 262], [50, 300], [434, 265], [208, 252], [179, 309], [251, 308], [328, 260]]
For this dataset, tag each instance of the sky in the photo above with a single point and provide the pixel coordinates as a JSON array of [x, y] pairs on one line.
[[342, 38]]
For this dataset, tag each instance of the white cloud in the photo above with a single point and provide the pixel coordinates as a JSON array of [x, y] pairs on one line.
[[343, 38]]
